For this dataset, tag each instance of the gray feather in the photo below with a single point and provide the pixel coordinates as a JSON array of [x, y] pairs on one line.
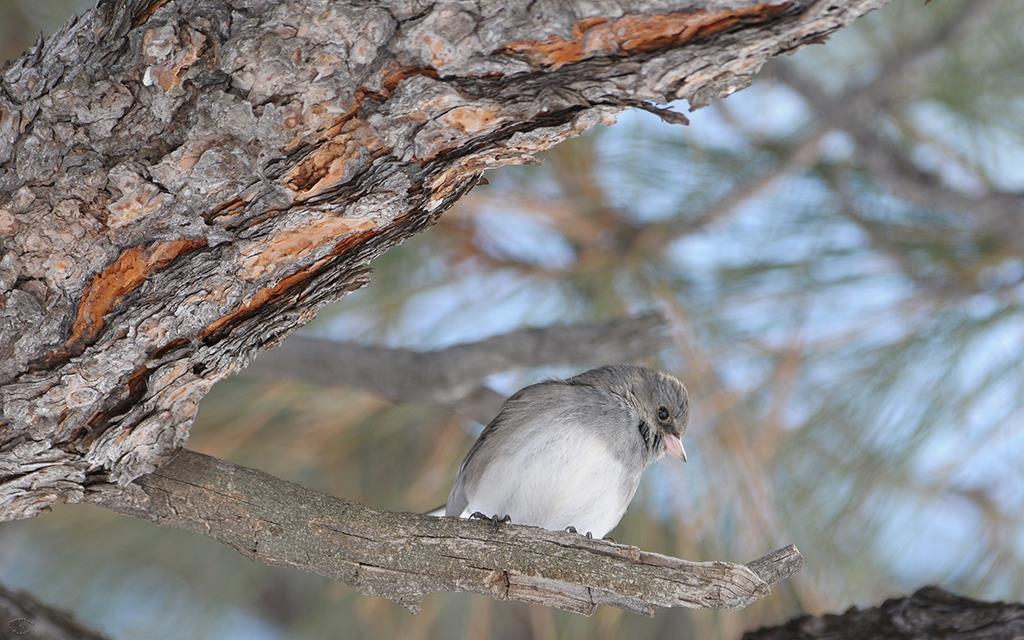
[[570, 449]]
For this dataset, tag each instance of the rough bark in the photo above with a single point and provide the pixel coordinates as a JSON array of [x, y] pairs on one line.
[[23, 617], [930, 612], [453, 377], [183, 182], [405, 556]]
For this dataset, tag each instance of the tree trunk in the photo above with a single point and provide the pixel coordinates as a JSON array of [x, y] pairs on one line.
[[184, 182]]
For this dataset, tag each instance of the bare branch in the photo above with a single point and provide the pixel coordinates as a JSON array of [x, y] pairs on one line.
[[453, 376], [183, 183], [406, 556], [915, 59], [930, 612], [890, 165], [23, 617], [881, 239], [797, 156]]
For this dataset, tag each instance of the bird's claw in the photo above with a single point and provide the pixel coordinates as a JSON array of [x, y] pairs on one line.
[[609, 539], [571, 529], [494, 520]]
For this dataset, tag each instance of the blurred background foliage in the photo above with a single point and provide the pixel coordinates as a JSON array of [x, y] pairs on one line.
[[838, 249]]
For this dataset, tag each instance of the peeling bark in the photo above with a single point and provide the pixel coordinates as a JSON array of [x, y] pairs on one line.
[[184, 182], [406, 556], [930, 612]]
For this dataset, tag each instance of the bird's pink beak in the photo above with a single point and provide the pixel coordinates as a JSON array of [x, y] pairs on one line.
[[674, 447]]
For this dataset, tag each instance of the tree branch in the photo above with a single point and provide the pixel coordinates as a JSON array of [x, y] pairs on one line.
[[881, 239], [890, 165], [23, 617], [930, 612], [917, 58], [405, 556], [185, 182], [801, 154], [453, 376]]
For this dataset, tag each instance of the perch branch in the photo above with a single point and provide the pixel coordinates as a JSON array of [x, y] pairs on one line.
[[406, 556]]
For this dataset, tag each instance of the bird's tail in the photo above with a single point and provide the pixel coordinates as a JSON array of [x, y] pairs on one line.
[[436, 511]]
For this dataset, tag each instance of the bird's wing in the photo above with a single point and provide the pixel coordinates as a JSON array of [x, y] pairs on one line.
[[536, 411], [457, 500]]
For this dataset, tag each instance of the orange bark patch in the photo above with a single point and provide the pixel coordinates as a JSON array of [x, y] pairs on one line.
[[121, 277], [472, 119], [337, 160], [637, 33], [147, 11], [390, 78], [438, 49], [226, 212], [145, 199], [394, 76], [168, 74], [268, 294], [445, 184], [292, 245]]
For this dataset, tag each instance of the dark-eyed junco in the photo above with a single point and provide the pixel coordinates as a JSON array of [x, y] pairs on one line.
[[568, 454]]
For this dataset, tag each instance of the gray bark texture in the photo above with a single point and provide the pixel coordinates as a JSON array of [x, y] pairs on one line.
[[23, 617], [184, 182], [405, 556], [930, 612]]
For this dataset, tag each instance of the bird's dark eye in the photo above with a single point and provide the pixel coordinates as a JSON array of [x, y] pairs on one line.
[[662, 414]]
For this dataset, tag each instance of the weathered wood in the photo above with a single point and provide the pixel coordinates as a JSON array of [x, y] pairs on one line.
[[184, 182], [405, 556], [930, 612]]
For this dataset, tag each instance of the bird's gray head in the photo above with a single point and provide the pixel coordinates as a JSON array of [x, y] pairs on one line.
[[659, 399]]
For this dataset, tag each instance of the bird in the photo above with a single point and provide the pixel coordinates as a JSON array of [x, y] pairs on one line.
[[568, 454]]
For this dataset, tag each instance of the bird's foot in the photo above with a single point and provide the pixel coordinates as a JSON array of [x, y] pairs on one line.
[[494, 520], [609, 539], [572, 529]]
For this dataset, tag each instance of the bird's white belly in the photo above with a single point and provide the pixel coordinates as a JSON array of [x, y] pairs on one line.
[[556, 483]]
